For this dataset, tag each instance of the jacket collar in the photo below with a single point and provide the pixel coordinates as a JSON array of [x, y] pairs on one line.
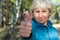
[[49, 24]]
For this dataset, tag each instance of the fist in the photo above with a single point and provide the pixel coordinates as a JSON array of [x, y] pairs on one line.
[[26, 26]]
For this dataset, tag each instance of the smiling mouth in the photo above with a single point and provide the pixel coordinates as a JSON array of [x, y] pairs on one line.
[[40, 19]]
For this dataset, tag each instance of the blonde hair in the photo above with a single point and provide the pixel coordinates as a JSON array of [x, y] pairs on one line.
[[41, 3]]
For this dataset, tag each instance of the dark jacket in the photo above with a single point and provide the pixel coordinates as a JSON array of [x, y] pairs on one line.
[[42, 32]]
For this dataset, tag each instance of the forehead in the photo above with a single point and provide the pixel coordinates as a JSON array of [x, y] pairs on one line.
[[40, 8]]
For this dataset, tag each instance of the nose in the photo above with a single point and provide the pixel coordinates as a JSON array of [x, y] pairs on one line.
[[40, 14]]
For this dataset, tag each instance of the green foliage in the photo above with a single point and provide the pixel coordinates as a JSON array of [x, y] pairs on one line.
[[12, 1], [10, 4], [8, 7], [56, 13], [27, 3]]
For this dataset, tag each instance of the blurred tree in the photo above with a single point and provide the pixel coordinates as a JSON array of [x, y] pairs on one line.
[[8, 6], [27, 3], [0, 12], [10, 9]]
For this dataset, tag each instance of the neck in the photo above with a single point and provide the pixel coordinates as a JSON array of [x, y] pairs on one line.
[[45, 23]]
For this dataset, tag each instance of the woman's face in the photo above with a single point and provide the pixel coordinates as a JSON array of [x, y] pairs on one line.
[[41, 15]]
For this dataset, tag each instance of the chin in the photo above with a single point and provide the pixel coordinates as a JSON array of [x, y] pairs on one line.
[[42, 21]]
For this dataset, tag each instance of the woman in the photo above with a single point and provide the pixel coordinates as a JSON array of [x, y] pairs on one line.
[[39, 27]]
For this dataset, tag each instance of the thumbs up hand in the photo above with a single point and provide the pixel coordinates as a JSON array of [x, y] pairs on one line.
[[26, 26]]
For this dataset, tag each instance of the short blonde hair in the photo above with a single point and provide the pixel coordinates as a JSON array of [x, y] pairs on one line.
[[41, 3]]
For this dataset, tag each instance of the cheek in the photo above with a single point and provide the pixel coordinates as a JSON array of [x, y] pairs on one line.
[[46, 15], [35, 15]]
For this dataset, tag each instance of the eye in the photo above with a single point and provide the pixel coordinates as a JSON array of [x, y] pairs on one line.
[[43, 11]]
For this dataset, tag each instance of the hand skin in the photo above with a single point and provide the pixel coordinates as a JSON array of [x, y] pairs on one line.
[[26, 26]]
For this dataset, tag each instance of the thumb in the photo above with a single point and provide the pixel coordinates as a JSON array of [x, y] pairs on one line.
[[27, 15]]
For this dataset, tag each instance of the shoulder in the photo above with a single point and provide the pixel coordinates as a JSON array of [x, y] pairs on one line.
[[54, 29], [51, 28], [54, 33]]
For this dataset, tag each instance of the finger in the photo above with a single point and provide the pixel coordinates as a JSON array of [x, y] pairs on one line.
[[25, 31], [27, 15], [25, 35], [25, 26], [23, 23], [29, 28]]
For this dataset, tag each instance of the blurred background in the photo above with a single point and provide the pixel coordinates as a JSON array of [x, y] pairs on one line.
[[12, 12]]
